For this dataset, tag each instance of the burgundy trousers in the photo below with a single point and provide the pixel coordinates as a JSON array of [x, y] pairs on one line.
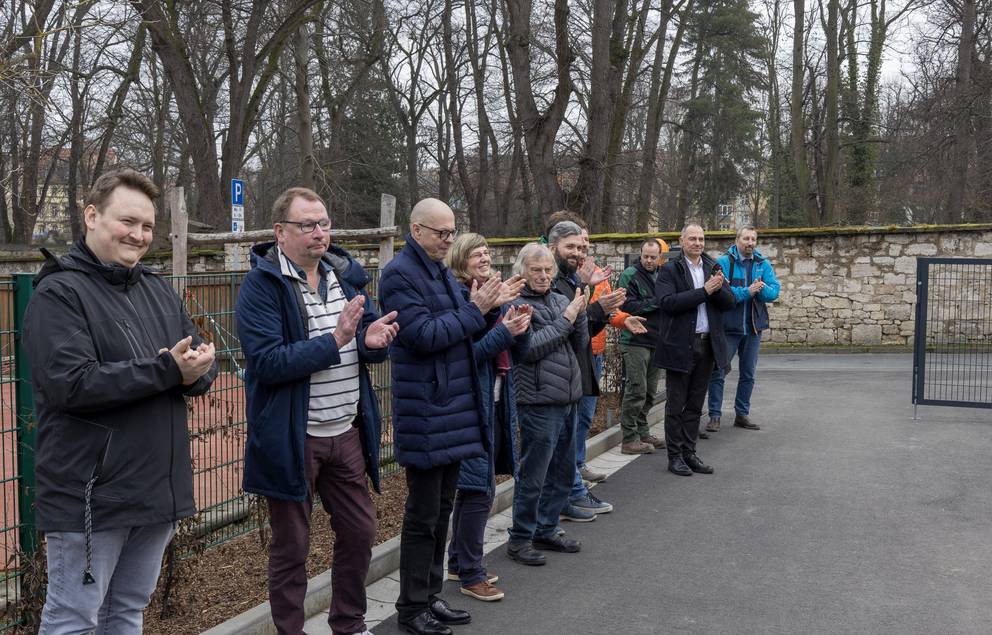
[[335, 470]]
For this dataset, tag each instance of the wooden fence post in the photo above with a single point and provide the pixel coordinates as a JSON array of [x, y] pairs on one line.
[[176, 201], [387, 218]]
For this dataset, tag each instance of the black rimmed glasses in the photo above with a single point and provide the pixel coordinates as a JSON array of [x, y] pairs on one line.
[[443, 234], [309, 226]]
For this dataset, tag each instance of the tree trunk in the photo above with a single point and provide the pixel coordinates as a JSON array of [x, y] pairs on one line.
[[657, 96], [831, 123], [304, 119], [798, 128], [963, 139], [540, 128]]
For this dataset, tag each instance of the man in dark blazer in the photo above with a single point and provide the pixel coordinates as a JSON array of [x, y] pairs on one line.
[[692, 292]]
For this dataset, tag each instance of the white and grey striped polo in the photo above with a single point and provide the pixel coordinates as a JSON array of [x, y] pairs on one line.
[[333, 391]]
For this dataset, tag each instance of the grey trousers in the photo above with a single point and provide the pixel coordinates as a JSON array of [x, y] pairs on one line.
[[125, 564]]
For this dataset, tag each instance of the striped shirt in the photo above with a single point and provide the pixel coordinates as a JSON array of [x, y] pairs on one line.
[[333, 391]]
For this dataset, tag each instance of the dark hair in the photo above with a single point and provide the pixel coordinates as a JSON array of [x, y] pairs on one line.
[[120, 177], [281, 207]]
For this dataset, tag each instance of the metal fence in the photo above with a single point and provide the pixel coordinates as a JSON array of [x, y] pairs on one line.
[[952, 361], [216, 423]]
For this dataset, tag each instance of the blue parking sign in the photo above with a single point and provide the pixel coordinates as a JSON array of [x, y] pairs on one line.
[[237, 192]]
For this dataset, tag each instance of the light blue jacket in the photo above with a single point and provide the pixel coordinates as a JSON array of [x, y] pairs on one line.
[[735, 320]]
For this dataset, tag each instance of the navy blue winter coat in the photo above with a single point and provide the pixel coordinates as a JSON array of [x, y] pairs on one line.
[[437, 415], [479, 474], [279, 359]]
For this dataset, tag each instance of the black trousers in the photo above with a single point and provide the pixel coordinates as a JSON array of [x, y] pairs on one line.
[[429, 500], [686, 393]]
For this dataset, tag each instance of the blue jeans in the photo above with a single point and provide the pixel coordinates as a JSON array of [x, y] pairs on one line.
[[125, 565], [746, 346], [587, 408], [547, 465]]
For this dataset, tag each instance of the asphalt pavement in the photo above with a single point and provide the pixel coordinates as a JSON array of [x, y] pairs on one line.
[[843, 514]]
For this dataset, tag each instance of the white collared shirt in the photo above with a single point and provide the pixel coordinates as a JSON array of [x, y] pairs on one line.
[[698, 279]]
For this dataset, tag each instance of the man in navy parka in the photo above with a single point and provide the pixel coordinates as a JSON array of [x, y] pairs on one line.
[[437, 414]]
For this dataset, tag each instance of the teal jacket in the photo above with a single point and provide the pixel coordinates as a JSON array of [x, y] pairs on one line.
[[735, 321]]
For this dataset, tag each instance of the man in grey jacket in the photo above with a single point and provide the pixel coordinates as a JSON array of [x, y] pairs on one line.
[[549, 386]]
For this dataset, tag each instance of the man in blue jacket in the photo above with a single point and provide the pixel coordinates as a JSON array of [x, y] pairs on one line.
[[752, 279], [437, 414], [307, 330]]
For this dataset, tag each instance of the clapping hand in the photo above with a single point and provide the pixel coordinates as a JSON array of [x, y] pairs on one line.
[[487, 295], [574, 307], [613, 300], [517, 320], [756, 287], [592, 275], [348, 321], [635, 324], [714, 283], [193, 362], [511, 289], [381, 332]]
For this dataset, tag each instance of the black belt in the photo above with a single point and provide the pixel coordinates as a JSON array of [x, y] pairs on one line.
[[703, 336]]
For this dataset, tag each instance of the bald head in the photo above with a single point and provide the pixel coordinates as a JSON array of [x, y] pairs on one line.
[[433, 212], [432, 226]]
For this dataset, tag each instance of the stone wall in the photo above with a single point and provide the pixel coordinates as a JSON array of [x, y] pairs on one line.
[[845, 286]]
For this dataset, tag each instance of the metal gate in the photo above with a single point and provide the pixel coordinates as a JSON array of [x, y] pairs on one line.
[[952, 352]]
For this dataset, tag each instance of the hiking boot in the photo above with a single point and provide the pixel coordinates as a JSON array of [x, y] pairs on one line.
[[590, 503], [591, 476], [576, 515], [653, 441], [525, 554], [636, 447], [557, 543], [483, 591], [741, 421], [713, 425]]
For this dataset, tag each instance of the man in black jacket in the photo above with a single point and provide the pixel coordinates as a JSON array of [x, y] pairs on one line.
[[569, 248], [113, 353], [692, 293]]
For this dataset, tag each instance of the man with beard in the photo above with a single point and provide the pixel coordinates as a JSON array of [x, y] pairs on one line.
[[693, 293], [569, 249], [752, 279]]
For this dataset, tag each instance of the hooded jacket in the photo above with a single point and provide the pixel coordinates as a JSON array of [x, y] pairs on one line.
[[642, 301], [279, 359], [110, 407], [680, 301], [735, 321], [438, 417]]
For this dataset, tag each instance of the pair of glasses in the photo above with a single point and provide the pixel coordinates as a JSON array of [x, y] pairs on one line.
[[443, 234], [308, 226]]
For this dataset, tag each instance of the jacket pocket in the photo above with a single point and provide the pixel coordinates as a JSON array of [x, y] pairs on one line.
[[87, 451], [440, 382]]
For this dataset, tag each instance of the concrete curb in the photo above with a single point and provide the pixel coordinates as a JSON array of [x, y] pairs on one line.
[[385, 560]]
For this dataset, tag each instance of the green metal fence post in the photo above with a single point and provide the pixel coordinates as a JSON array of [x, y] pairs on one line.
[[25, 420]]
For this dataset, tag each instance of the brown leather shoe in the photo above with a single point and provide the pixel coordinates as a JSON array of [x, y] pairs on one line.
[[483, 591], [636, 447], [713, 425], [654, 441]]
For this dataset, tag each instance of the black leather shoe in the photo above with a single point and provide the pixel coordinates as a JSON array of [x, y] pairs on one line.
[[425, 624], [558, 543], [703, 435], [526, 554], [677, 465], [447, 615], [696, 465], [741, 421]]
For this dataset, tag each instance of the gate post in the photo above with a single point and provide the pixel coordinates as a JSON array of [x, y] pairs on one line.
[[28, 536]]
